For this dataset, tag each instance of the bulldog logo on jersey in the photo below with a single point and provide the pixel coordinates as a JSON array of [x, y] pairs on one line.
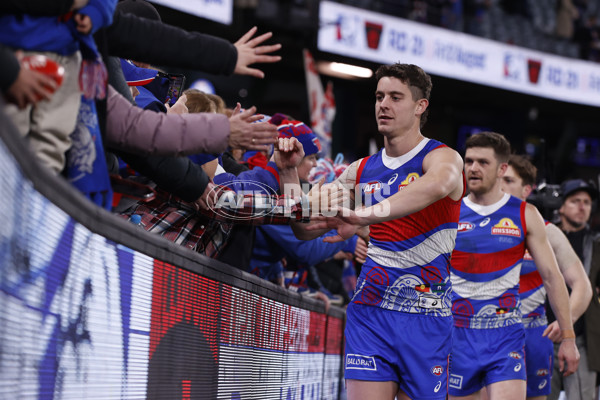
[[409, 178], [506, 227]]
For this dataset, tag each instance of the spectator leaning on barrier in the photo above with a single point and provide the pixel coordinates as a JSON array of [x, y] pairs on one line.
[[575, 211]]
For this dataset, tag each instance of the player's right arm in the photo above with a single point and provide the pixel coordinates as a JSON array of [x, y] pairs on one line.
[[575, 277]]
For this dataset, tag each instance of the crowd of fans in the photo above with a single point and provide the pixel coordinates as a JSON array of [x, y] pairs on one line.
[[565, 27], [194, 171], [207, 176]]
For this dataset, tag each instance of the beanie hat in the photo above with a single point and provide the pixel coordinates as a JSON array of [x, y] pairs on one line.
[[288, 128], [136, 76], [139, 8], [573, 186]]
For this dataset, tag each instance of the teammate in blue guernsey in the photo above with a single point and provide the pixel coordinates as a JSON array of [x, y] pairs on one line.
[[518, 180], [494, 230], [398, 330]]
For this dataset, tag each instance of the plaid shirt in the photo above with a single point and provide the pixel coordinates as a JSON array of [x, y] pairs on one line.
[[257, 209], [207, 231]]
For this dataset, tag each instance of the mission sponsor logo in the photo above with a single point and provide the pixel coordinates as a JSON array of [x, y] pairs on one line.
[[506, 227], [356, 361], [527, 256], [465, 226]]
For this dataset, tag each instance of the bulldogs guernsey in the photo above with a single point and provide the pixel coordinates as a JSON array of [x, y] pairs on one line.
[[486, 264], [532, 293], [408, 259]]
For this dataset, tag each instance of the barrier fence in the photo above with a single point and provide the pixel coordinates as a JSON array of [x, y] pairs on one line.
[[93, 307]]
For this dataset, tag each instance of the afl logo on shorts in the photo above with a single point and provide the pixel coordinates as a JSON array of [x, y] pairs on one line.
[[465, 226], [515, 355], [437, 370], [542, 372]]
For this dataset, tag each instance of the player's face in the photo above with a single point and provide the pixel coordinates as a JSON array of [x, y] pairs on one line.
[[482, 169], [577, 209], [395, 109], [513, 184], [307, 163]]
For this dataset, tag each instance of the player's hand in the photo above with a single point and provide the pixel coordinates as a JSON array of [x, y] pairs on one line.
[[179, 107], [247, 134], [360, 252], [249, 52], [84, 23], [336, 195], [568, 357], [553, 332], [288, 153], [345, 221]]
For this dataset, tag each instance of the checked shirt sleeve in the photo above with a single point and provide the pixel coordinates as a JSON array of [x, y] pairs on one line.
[[258, 209]]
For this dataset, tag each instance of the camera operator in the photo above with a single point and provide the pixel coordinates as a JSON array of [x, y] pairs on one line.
[[574, 213]]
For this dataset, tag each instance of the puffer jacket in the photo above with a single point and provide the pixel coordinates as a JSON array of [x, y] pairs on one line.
[[146, 132]]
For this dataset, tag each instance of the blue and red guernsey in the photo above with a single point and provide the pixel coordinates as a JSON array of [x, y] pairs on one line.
[[532, 293], [486, 264], [408, 260]]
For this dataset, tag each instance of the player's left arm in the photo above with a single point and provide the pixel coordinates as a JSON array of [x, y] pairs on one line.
[[442, 176], [539, 247]]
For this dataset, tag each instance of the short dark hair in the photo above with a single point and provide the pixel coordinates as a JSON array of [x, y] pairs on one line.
[[494, 140], [524, 168], [418, 81]]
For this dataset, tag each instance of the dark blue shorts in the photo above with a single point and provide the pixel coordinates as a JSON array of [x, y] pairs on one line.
[[539, 357], [410, 349], [481, 357]]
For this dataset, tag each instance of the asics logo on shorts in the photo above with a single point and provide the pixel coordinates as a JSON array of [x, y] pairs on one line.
[[437, 387], [542, 384], [518, 367], [356, 361]]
